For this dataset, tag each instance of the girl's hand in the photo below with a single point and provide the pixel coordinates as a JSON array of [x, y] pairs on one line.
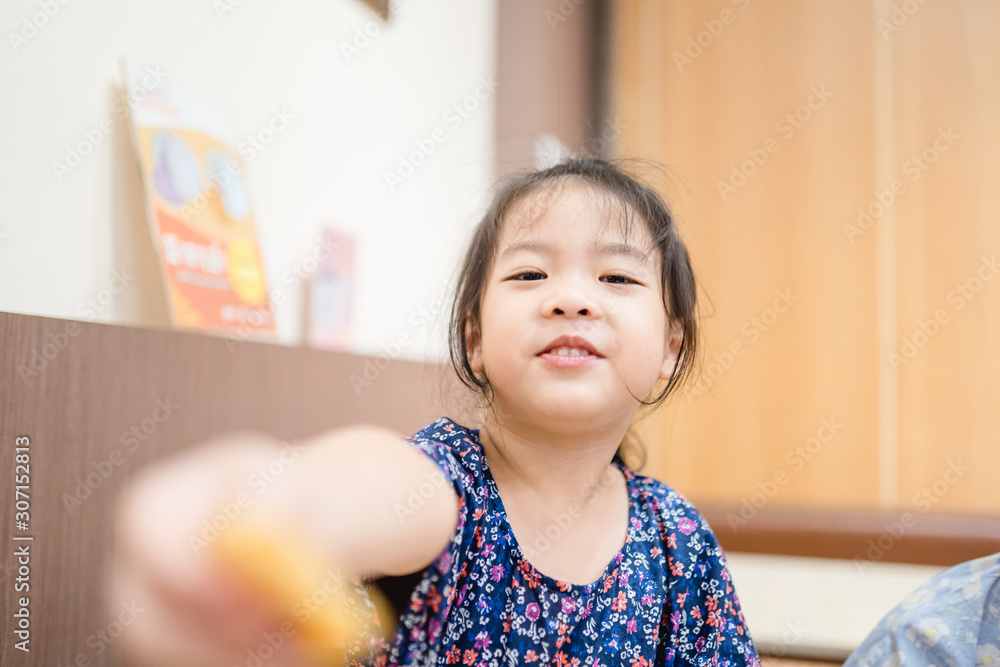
[[193, 609], [220, 546]]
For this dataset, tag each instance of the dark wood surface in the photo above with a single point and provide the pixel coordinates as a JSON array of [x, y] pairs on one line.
[[905, 536], [79, 405]]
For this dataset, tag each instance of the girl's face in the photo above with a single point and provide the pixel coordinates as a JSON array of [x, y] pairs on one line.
[[573, 274]]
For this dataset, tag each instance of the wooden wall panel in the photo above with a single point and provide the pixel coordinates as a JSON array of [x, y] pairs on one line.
[[947, 222], [776, 231], [546, 62], [770, 203], [78, 389]]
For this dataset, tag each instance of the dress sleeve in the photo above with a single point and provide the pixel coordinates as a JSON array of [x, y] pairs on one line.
[[447, 462], [703, 621], [445, 581], [460, 466]]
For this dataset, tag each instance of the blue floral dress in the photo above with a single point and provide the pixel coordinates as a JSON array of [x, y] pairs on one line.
[[666, 598]]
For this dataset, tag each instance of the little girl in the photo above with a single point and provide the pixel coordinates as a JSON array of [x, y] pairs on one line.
[[534, 542]]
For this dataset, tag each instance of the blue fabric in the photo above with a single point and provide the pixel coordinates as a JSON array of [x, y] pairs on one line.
[[953, 619], [665, 599]]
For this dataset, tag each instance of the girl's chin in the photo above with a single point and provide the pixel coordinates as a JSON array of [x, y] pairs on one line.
[[582, 407]]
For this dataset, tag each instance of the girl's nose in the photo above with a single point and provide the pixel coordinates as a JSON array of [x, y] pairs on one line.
[[572, 302], [582, 311]]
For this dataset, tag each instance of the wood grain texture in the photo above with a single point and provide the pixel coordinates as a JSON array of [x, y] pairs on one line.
[[786, 302], [80, 404], [776, 122], [947, 156]]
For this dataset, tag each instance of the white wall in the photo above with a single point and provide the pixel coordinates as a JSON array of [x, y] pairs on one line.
[[820, 607], [61, 240]]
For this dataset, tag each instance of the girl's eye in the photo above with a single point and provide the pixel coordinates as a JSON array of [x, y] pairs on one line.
[[614, 279], [620, 280]]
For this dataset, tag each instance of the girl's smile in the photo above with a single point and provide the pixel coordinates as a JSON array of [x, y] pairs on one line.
[[573, 320], [563, 359], [569, 352]]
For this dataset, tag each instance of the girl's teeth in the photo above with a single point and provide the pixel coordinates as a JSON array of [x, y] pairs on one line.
[[570, 352]]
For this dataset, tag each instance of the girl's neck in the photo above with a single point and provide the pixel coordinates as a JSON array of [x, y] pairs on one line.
[[557, 468]]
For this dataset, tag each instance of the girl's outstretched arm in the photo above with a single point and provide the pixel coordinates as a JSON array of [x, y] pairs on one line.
[[336, 497]]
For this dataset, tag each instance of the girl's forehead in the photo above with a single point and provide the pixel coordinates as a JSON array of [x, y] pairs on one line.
[[573, 203]]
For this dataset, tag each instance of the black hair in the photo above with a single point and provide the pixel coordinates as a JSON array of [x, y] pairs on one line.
[[634, 198]]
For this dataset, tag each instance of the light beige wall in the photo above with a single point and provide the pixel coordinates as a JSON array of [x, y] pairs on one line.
[[359, 103]]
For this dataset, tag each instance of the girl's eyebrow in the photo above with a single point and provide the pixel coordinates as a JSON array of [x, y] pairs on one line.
[[600, 248]]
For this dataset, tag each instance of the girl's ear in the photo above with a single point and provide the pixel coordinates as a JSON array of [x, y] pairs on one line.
[[473, 345], [671, 350]]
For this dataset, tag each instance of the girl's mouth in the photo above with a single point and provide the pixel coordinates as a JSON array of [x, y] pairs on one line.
[[568, 357]]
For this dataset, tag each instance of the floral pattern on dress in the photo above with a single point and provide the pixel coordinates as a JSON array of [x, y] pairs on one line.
[[666, 598]]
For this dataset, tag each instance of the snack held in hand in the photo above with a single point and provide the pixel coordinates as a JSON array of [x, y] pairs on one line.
[[332, 613]]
